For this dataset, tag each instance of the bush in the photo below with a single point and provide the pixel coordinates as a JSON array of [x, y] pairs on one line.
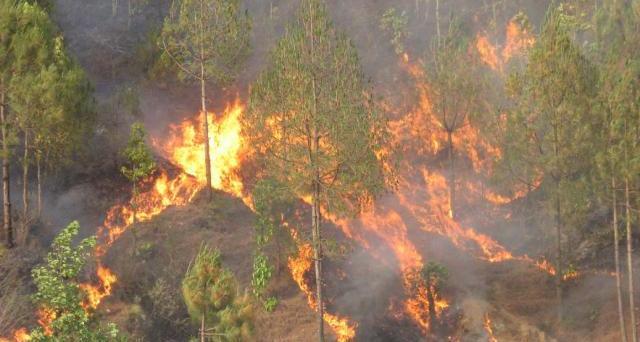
[[59, 294]]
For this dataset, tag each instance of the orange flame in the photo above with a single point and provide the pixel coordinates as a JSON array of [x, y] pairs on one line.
[[489, 329], [45, 317], [301, 264], [518, 40], [487, 52], [21, 335], [164, 191], [185, 147], [95, 293]]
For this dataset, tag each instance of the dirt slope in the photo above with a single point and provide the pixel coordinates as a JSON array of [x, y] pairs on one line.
[[165, 246]]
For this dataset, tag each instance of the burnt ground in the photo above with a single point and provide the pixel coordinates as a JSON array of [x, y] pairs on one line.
[[517, 296]]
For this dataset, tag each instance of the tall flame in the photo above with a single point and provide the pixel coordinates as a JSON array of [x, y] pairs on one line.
[[185, 147]]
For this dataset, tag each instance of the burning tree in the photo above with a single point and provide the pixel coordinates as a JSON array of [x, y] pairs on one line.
[[455, 89], [432, 277], [206, 40], [314, 122]]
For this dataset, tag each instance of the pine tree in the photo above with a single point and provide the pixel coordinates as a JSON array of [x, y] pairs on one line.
[[211, 294], [455, 88], [140, 164], [207, 40], [8, 25], [547, 129], [617, 42], [433, 276], [312, 118], [49, 97]]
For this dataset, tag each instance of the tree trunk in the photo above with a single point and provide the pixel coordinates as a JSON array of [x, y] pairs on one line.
[[114, 8], [271, 11], [129, 14], [6, 190], [207, 156], [630, 260], [207, 149], [25, 187], [134, 209], [558, 217], [452, 175], [202, 328], [438, 22], [559, 266], [315, 211], [432, 309], [616, 251], [317, 254], [39, 179]]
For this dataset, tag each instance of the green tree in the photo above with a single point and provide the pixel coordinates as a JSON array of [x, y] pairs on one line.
[[33, 52], [617, 44], [547, 130], [49, 97], [455, 87], [395, 24], [314, 122], [432, 278], [211, 294], [271, 203], [207, 40], [59, 294], [140, 164], [8, 27], [62, 112]]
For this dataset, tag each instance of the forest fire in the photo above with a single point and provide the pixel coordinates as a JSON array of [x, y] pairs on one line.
[[299, 265], [487, 52], [394, 157], [164, 190], [388, 226], [185, 151], [95, 293], [518, 40], [184, 147], [20, 335], [489, 329]]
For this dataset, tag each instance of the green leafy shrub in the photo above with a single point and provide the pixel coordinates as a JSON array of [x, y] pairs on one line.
[[59, 294]]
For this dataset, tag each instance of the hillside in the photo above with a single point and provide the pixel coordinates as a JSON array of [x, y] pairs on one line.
[[448, 170]]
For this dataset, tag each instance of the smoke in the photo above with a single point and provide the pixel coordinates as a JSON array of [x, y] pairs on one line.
[[108, 49]]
